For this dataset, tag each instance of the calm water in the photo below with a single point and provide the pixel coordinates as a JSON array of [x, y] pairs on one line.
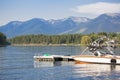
[[17, 63]]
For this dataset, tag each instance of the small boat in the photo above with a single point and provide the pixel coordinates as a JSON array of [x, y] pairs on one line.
[[101, 51]]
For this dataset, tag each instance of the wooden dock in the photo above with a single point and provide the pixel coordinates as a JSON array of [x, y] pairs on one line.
[[54, 58]]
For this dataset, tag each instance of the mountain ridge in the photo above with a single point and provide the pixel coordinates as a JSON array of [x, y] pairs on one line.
[[104, 23]]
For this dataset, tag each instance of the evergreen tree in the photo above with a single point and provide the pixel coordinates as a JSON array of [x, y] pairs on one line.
[[2, 39], [58, 39]]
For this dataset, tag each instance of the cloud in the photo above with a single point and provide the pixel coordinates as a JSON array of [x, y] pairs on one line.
[[98, 8]]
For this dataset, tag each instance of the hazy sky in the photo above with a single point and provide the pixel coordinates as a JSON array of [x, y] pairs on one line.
[[12, 10]]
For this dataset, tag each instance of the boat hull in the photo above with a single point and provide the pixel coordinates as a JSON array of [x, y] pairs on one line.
[[97, 60]]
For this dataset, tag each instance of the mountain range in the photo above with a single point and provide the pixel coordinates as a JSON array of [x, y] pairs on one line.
[[103, 23]]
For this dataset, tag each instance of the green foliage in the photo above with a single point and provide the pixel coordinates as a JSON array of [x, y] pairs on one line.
[[61, 39], [102, 34], [47, 39], [118, 38], [86, 40], [94, 36], [2, 39], [112, 35]]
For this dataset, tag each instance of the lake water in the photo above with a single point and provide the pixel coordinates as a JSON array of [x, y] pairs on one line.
[[17, 63]]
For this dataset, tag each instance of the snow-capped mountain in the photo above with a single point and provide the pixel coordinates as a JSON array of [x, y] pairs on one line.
[[109, 22], [79, 19]]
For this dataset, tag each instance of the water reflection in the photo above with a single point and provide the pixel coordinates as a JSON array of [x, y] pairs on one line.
[[17, 63], [38, 64], [112, 67], [95, 70]]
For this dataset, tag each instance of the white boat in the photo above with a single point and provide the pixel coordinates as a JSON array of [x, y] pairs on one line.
[[100, 52]]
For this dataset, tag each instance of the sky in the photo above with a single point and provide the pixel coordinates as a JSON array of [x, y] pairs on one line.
[[22, 10]]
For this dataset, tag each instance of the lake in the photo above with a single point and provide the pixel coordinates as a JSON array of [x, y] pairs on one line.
[[17, 63]]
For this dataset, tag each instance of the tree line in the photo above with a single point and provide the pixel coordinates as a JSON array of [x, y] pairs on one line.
[[61, 39], [3, 40], [46, 39]]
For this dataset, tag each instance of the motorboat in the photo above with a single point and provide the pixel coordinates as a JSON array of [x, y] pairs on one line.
[[101, 51]]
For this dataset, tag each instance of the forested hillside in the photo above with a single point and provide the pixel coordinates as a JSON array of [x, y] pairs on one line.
[[61, 39]]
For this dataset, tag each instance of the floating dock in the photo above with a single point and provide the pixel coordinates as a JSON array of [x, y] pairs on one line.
[[54, 58]]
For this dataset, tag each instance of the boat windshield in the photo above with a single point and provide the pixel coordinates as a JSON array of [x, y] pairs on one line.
[[103, 52]]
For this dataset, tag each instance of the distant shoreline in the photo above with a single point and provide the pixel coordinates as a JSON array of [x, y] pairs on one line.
[[45, 44], [2, 45], [51, 45]]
